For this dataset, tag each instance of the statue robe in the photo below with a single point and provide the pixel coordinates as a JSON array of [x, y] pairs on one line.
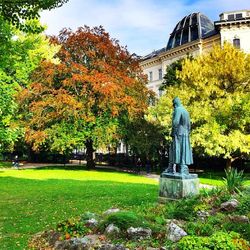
[[180, 149]]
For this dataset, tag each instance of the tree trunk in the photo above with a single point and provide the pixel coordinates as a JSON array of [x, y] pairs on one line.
[[90, 154], [229, 163]]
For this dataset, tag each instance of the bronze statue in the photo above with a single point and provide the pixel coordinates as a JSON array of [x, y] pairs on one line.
[[180, 153]]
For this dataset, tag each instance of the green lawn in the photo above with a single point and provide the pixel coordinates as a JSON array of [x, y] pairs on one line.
[[5, 164], [33, 200]]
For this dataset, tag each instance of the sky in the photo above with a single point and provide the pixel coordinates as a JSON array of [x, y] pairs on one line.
[[141, 25]]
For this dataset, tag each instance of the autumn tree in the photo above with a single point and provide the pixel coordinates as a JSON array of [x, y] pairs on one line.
[[215, 88], [82, 100], [18, 12]]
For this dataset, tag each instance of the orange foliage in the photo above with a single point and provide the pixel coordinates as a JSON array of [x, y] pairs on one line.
[[95, 77]]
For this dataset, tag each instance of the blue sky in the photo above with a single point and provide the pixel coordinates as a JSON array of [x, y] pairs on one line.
[[141, 25]]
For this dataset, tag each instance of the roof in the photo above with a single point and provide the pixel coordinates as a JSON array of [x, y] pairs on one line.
[[192, 27], [189, 28]]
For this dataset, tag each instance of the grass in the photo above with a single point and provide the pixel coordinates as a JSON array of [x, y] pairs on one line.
[[216, 178], [35, 200], [5, 164]]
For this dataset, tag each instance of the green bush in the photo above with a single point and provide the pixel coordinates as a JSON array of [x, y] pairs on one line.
[[124, 220], [218, 241], [183, 209], [199, 228], [72, 227], [242, 228], [234, 180]]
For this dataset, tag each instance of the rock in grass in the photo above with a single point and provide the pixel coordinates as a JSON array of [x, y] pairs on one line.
[[112, 230], [239, 218], [91, 223], [174, 232], [111, 211], [112, 247], [85, 243], [72, 244], [230, 205], [202, 215], [139, 233]]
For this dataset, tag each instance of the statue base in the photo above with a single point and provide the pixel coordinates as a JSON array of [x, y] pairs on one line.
[[175, 186]]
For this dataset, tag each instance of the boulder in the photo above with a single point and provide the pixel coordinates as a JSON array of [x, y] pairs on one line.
[[111, 211], [239, 218], [230, 205], [139, 233], [72, 244], [112, 247], [202, 215], [111, 230], [85, 243], [91, 223], [174, 232]]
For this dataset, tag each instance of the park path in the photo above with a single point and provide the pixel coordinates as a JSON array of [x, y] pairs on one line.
[[73, 163]]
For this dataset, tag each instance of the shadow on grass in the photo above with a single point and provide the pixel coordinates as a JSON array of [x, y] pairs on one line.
[[63, 167], [33, 205], [99, 168]]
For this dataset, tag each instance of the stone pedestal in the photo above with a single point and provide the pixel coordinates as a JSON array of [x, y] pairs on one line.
[[177, 186]]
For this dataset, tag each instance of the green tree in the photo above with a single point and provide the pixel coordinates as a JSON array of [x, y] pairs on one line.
[[145, 139], [17, 12], [20, 54], [215, 89], [170, 78], [83, 99]]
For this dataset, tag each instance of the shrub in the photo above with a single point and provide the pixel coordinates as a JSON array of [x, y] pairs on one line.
[[242, 228], [124, 220], [183, 209], [199, 228], [218, 241], [234, 180], [72, 228]]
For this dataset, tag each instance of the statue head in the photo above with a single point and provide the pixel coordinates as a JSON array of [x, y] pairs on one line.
[[176, 102]]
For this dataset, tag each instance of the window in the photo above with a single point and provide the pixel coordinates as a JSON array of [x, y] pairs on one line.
[[170, 42], [150, 76], [239, 16], [160, 92], [194, 33], [177, 39], [160, 74], [230, 17], [236, 43], [184, 36]]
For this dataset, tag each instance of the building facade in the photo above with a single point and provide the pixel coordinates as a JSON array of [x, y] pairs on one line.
[[193, 35]]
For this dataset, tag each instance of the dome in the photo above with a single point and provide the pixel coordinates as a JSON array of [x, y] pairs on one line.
[[192, 27]]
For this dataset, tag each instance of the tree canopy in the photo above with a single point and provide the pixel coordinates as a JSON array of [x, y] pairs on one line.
[[82, 100], [17, 12], [215, 88], [20, 54]]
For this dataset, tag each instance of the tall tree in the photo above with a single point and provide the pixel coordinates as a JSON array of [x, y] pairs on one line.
[[20, 54], [17, 12], [215, 88], [170, 78], [82, 100]]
